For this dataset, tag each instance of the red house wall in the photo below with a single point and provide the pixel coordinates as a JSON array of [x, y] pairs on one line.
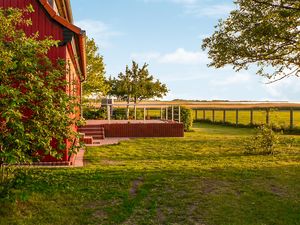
[[46, 27], [41, 23]]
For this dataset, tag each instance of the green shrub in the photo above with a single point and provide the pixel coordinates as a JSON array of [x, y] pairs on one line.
[[279, 127], [120, 114], [95, 113], [186, 118], [139, 114], [264, 142]]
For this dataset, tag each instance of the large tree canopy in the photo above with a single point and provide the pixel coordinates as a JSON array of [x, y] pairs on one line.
[[261, 32], [34, 106], [95, 83]]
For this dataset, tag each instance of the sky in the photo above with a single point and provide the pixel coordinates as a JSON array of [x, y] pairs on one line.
[[167, 35]]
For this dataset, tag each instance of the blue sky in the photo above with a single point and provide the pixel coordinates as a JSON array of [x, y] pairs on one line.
[[167, 34]]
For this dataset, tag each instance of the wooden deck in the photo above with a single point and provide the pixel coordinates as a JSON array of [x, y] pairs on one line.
[[137, 128]]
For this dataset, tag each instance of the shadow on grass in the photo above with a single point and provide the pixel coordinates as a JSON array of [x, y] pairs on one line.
[[103, 196], [201, 179]]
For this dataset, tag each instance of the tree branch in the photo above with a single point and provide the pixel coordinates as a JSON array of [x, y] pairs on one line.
[[284, 76], [276, 5]]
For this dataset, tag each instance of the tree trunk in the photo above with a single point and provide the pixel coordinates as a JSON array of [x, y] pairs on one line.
[[2, 173], [135, 101], [2, 166], [127, 112]]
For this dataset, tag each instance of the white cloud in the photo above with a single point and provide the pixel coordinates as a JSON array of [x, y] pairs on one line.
[[285, 89], [218, 10], [145, 57], [237, 78], [184, 2], [200, 9], [179, 56], [203, 36], [273, 92], [98, 30], [185, 77]]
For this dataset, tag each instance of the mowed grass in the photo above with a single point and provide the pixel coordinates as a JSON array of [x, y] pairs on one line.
[[277, 118], [204, 178]]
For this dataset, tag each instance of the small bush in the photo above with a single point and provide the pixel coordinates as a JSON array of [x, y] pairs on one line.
[[264, 142], [139, 114], [186, 118], [120, 114]]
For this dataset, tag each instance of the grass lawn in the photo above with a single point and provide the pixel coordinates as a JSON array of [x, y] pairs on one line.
[[203, 178]]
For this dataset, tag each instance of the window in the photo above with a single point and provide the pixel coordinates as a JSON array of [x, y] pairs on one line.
[[53, 5], [50, 2]]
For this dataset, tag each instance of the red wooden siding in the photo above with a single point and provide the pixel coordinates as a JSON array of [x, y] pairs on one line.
[[41, 23], [46, 27], [144, 130]]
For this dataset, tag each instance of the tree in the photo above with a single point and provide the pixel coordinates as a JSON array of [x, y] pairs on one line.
[[34, 106], [136, 84], [261, 32], [95, 82]]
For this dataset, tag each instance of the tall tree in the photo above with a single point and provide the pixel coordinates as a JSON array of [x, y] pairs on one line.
[[95, 82], [261, 32], [136, 84], [34, 106]]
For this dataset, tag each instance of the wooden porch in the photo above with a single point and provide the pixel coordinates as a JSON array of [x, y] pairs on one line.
[[96, 130]]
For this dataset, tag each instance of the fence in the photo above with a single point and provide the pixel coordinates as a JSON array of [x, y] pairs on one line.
[[161, 112], [283, 118]]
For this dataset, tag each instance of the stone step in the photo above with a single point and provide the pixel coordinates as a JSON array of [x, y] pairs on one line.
[[99, 137], [87, 139], [83, 129], [91, 126], [96, 142], [92, 133]]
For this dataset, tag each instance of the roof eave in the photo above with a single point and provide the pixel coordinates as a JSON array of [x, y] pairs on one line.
[[80, 33]]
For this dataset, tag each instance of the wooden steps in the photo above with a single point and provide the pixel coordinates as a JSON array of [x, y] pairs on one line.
[[93, 134]]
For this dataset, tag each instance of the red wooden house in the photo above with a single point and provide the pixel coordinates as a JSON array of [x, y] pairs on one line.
[[54, 18]]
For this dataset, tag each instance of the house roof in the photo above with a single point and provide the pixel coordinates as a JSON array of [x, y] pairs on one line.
[[78, 32], [65, 9]]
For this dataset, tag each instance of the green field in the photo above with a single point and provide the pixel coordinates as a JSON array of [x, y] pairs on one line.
[[277, 118], [204, 178]]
